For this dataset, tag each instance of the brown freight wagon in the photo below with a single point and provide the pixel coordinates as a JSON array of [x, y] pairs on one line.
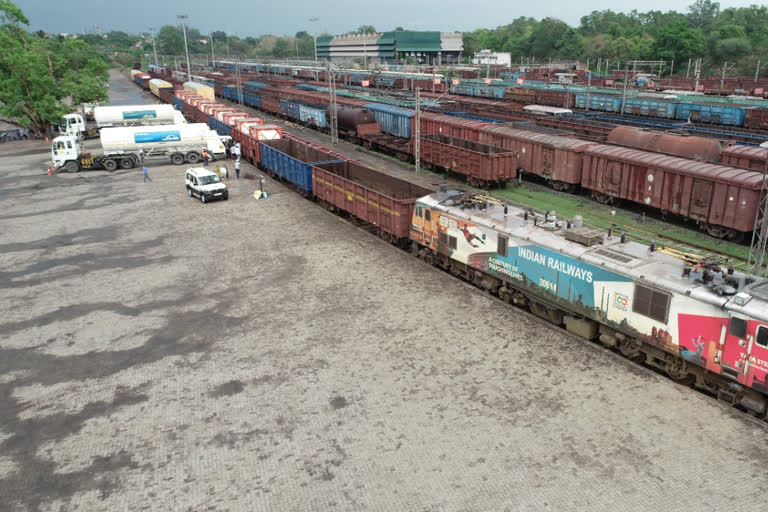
[[166, 95], [270, 104], [483, 165], [383, 200], [451, 126], [721, 199], [556, 159], [747, 157], [757, 118], [695, 148], [555, 98]]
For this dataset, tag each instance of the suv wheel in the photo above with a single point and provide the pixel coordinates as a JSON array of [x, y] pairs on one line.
[[189, 191], [202, 197]]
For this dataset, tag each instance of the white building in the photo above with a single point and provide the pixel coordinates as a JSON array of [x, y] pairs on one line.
[[493, 58]]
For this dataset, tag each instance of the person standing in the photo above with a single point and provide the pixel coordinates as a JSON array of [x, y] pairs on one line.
[[205, 157], [237, 168], [145, 170]]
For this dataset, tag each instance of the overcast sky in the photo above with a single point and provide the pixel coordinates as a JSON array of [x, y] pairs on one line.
[[280, 17]]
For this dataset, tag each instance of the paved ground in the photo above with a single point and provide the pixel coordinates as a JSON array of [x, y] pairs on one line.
[[161, 354]]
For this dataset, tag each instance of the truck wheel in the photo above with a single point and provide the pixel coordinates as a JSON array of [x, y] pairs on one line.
[[127, 163], [177, 159], [193, 157], [72, 166], [110, 165]]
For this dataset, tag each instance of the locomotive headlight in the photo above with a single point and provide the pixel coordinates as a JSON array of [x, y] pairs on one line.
[[650, 178]]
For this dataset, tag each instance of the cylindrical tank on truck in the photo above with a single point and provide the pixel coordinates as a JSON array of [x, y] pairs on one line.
[[127, 147], [137, 115]]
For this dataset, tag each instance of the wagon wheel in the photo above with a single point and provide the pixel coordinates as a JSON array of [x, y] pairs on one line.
[[717, 231], [603, 198], [562, 186]]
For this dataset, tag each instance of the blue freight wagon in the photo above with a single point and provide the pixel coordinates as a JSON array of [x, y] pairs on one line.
[[293, 161], [255, 86], [308, 87], [600, 102], [480, 91], [313, 114], [711, 113], [289, 109], [650, 107], [393, 120], [220, 127], [251, 99], [229, 92]]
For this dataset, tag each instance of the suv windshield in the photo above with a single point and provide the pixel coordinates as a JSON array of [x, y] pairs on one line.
[[207, 180]]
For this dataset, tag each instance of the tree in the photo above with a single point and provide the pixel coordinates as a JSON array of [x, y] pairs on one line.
[[366, 29], [282, 48], [678, 41], [38, 75], [702, 13], [399, 28], [170, 40]]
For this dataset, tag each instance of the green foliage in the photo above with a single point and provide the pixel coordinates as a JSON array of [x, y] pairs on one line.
[[41, 77], [170, 40], [366, 29], [678, 41], [736, 35]]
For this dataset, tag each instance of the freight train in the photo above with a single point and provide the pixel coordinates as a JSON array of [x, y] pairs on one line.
[[721, 199], [700, 322]]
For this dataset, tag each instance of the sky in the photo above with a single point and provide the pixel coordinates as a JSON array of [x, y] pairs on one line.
[[286, 17]]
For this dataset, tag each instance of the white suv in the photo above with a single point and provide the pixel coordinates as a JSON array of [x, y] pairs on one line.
[[205, 184]]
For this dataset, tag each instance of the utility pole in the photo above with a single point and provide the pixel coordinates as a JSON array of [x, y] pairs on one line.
[[417, 135], [697, 74], [314, 36], [239, 85], [722, 75], [334, 114], [589, 87], [624, 91], [688, 72], [213, 56], [184, 17], [154, 50], [757, 70], [759, 244]]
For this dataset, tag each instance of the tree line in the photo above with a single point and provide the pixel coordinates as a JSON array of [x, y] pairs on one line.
[[738, 36]]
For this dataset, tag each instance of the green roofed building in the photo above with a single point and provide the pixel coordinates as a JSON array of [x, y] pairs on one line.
[[392, 47]]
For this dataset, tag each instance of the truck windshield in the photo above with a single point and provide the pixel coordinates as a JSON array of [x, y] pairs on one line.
[[207, 180]]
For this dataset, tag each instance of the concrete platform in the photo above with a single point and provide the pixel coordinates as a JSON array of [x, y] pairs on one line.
[[161, 354]]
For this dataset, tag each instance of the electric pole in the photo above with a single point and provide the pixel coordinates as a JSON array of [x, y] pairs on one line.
[[760, 233], [417, 135], [334, 114], [697, 74], [184, 17], [213, 56], [154, 50]]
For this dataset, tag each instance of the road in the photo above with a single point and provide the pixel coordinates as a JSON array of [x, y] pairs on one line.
[[161, 354]]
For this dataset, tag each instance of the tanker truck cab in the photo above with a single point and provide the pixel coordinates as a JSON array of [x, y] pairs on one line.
[[205, 184], [72, 124]]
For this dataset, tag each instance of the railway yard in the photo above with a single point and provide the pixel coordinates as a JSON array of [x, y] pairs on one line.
[[293, 354]]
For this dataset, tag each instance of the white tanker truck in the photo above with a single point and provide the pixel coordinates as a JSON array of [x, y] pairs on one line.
[[124, 115], [127, 147]]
